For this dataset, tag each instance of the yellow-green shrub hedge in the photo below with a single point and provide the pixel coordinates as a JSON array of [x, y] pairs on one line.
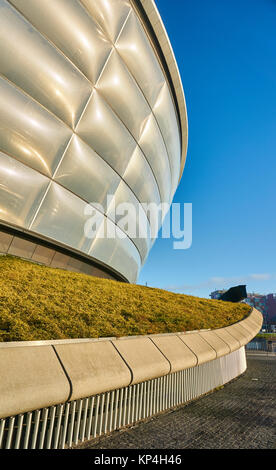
[[40, 303]]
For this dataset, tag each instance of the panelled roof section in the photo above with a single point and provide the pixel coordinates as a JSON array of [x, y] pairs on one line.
[[91, 106], [160, 32]]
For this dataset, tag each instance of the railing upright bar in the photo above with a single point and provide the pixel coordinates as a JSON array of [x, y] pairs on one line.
[[10, 432], [36, 427], [19, 431]]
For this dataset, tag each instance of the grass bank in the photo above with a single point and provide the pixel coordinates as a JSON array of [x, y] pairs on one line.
[[40, 303], [266, 335]]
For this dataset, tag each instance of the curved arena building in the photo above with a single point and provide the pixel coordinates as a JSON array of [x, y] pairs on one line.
[[91, 105]]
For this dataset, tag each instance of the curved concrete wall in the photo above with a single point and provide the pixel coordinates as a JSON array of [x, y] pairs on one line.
[[203, 351], [93, 368], [31, 378], [229, 340], [220, 347], [178, 354], [144, 359], [40, 374]]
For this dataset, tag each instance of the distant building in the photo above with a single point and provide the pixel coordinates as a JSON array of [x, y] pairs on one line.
[[217, 293], [266, 304], [271, 307]]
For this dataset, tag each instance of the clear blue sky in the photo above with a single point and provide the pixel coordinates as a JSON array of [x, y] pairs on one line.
[[226, 53]]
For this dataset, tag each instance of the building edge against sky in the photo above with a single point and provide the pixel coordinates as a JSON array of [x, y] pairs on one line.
[[91, 104]]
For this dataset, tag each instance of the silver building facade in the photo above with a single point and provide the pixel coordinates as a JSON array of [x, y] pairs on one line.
[[91, 104]]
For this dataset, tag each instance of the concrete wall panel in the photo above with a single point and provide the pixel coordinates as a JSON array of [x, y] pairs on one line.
[[257, 317], [42, 374], [228, 338], [254, 320], [217, 343], [251, 325], [93, 368], [199, 347], [143, 357], [240, 333], [179, 355], [31, 378]]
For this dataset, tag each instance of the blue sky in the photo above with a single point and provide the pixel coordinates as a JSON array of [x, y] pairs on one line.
[[225, 50]]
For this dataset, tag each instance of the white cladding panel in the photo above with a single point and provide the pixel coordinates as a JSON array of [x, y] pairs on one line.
[[86, 112]]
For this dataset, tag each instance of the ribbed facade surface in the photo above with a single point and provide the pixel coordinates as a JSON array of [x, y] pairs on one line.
[[87, 109]]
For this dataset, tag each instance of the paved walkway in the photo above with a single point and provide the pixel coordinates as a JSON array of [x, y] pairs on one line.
[[240, 415]]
